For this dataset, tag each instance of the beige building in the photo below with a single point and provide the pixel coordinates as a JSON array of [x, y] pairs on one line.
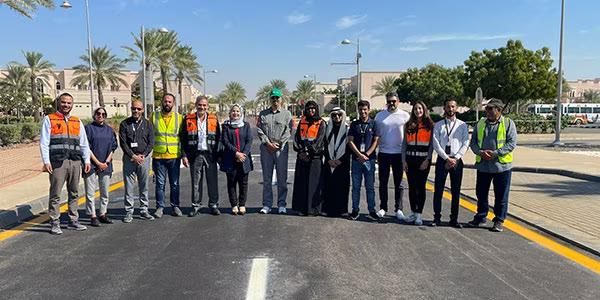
[[117, 99], [578, 87]]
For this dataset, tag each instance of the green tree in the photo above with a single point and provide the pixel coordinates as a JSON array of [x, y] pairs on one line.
[[106, 69], [591, 96], [264, 93], [234, 92], [386, 85], [432, 84], [186, 67], [28, 7], [511, 73], [305, 90], [39, 71], [14, 88]]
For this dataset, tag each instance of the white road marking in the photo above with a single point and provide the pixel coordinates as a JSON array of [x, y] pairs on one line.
[[257, 284]]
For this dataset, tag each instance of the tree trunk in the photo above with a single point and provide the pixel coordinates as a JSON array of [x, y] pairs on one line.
[[163, 77], [100, 97], [34, 100], [180, 90]]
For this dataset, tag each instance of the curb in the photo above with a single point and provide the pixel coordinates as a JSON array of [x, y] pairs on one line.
[[22, 212]]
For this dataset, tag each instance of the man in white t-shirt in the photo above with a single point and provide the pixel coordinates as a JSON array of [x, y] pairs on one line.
[[390, 129]]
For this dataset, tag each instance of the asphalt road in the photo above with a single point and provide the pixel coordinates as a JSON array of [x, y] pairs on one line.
[[292, 257]]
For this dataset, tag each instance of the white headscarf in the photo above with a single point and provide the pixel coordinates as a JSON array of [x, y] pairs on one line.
[[239, 122], [337, 145]]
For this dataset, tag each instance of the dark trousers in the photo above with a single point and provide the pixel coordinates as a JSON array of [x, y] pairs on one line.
[[387, 160], [501, 188], [416, 183], [239, 178], [456, 175], [163, 168], [204, 166]]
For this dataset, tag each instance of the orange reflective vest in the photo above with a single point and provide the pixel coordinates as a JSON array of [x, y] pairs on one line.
[[417, 142], [191, 125], [309, 131], [64, 138]]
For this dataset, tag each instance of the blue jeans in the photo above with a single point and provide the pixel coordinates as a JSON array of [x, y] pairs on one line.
[[366, 169], [501, 189], [162, 168]]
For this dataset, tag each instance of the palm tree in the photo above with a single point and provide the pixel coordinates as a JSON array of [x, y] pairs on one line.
[[28, 7], [37, 69], [386, 85], [186, 68], [305, 89], [234, 93], [14, 88], [106, 69], [159, 52], [591, 95], [264, 93]]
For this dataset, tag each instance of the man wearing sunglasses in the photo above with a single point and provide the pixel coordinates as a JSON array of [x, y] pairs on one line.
[[103, 143], [274, 126], [390, 129], [136, 135]]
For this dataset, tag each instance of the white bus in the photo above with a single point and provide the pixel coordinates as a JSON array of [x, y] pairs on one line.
[[581, 113]]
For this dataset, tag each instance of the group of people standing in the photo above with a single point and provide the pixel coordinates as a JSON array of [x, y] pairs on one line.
[[329, 156]]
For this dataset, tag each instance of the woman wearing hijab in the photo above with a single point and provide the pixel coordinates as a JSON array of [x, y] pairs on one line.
[[237, 161], [336, 170], [309, 143], [416, 158]]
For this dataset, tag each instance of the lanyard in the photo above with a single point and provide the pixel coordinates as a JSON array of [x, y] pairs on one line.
[[449, 131], [135, 129]]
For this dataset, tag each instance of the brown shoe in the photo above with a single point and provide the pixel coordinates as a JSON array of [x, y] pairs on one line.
[[242, 210], [234, 210]]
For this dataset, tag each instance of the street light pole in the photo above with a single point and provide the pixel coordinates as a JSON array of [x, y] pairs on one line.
[[204, 78], [143, 91], [359, 89], [560, 79]]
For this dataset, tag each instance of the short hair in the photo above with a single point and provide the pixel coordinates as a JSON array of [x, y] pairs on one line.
[[201, 98], [137, 101], [63, 95], [391, 94], [448, 100], [168, 94], [363, 103]]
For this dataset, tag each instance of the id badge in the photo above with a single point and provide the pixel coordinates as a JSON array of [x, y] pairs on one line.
[[448, 149], [134, 145], [362, 147]]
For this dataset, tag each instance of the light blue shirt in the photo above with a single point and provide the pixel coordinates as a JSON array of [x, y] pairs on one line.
[[45, 141]]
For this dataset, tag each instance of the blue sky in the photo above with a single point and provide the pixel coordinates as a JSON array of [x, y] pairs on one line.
[[255, 41]]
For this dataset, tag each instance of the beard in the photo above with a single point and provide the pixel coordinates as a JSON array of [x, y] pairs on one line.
[[166, 108], [450, 113]]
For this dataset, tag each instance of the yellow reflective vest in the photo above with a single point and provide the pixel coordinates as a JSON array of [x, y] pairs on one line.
[[500, 139], [166, 136]]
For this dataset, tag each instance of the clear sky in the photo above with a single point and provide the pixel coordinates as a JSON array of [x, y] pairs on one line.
[[255, 41]]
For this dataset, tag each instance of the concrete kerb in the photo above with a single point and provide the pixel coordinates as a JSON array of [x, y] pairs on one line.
[[11, 217]]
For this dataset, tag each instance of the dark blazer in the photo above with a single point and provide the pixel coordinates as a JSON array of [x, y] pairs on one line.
[[191, 150], [228, 141]]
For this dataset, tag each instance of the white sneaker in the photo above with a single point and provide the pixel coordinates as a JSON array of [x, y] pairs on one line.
[[381, 213], [265, 210], [418, 220], [282, 210], [400, 215], [411, 218]]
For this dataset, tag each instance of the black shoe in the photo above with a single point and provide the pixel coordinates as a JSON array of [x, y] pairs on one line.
[[104, 219], [497, 227], [353, 215], [94, 222], [374, 216], [194, 212], [435, 223], [476, 222], [215, 211], [455, 224]]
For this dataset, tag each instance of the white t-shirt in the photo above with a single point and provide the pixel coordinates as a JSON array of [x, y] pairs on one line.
[[390, 129]]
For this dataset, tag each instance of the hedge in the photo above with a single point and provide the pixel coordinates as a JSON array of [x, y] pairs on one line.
[[18, 133]]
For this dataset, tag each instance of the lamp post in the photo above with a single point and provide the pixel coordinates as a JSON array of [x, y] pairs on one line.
[[68, 5], [314, 78], [557, 141], [144, 79], [204, 78], [358, 56]]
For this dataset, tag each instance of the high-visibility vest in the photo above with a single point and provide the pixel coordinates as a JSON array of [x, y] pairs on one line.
[[191, 125], [417, 143], [166, 136], [309, 131], [64, 138], [500, 139]]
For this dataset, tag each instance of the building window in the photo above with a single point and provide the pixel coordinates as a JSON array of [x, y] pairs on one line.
[[58, 86]]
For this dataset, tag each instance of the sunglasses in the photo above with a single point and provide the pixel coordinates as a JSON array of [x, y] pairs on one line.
[[391, 101], [101, 114], [336, 115], [274, 98], [136, 108]]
